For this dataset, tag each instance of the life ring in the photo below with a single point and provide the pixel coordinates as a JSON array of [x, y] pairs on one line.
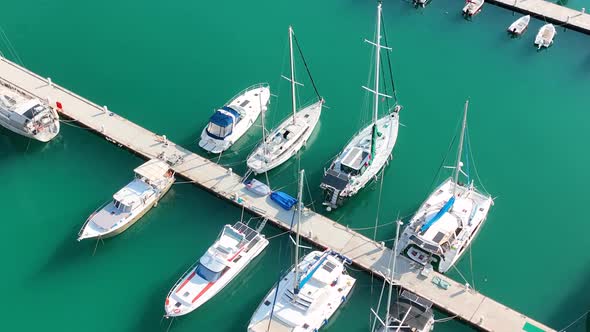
[[176, 310]]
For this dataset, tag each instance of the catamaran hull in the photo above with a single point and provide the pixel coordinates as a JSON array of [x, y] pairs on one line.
[[259, 97], [260, 162], [127, 225]]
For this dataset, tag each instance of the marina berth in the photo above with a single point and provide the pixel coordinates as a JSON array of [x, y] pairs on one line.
[[229, 123], [233, 250], [29, 117], [152, 181]]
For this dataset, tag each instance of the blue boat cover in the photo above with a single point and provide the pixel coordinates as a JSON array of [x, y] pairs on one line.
[[235, 113], [439, 214], [283, 200]]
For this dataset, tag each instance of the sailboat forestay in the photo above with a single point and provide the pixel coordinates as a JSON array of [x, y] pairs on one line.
[[370, 149], [306, 297], [292, 134], [448, 221]]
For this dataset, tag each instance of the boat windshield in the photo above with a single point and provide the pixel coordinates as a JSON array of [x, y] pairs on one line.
[[33, 111], [217, 131], [120, 206], [232, 233], [205, 273]]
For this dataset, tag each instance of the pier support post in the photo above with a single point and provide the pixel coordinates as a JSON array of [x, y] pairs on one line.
[[105, 109], [49, 82]]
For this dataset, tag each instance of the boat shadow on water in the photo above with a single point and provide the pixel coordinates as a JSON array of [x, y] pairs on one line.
[[573, 306], [12, 145]]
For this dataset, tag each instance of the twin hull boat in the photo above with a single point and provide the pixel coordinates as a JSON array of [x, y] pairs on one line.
[[444, 226], [229, 123], [152, 180], [355, 166], [284, 142], [233, 250], [322, 289], [28, 117]]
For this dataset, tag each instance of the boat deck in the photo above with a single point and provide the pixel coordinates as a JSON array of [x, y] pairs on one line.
[[470, 306], [548, 11]]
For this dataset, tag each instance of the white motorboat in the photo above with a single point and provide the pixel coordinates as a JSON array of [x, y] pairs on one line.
[[233, 250], [519, 26], [27, 116], [231, 121], [545, 36], [472, 7], [306, 297], [369, 150], [448, 221], [152, 180], [291, 135]]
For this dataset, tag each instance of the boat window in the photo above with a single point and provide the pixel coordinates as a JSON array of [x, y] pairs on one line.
[[30, 113], [117, 204], [205, 273], [329, 266], [218, 131]]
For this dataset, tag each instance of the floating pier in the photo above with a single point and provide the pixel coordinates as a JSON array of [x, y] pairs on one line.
[[548, 11], [448, 295]]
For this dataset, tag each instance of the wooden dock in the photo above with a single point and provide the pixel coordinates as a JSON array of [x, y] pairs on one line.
[[467, 304], [548, 11]]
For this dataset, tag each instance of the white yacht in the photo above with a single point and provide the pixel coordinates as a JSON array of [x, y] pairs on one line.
[[233, 250], [152, 180], [369, 150], [26, 116], [231, 121], [472, 7], [448, 221], [306, 297], [291, 135], [545, 36]]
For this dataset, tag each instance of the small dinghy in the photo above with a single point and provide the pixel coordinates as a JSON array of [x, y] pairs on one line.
[[545, 36], [421, 3], [472, 7], [519, 26]]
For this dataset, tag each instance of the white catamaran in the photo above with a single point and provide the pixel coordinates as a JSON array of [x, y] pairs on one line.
[[370, 149], [152, 180], [231, 121], [292, 134], [233, 250], [448, 221], [305, 298], [29, 117]]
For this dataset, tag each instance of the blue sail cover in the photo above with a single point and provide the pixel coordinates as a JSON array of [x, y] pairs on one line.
[[303, 281], [440, 213], [283, 200]]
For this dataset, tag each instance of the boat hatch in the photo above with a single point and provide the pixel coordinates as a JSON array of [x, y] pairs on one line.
[[335, 179], [33, 111], [430, 247], [244, 103], [221, 123], [355, 161]]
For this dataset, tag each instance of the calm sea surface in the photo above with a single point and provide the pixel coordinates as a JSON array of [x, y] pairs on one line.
[[167, 65]]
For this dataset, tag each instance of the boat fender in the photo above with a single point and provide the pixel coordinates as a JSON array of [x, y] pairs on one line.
[[325, 322], [343, 298]]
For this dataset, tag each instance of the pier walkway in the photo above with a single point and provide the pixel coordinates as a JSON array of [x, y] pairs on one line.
[[551, 12], [467, 304]]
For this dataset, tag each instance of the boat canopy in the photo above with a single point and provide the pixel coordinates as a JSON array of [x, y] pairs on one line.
[[153, 170], [221, 122], [335, 179], [354, 160], [283, 200], [257, 187], [437, 216]]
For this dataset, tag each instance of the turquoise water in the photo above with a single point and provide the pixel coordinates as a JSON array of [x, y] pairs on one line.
[[166, 66]]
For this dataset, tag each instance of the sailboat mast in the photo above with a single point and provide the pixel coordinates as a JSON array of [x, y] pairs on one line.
[[299, 210], [392, 274], [376, 92], [294, 103], [263, 127], [460, 150]]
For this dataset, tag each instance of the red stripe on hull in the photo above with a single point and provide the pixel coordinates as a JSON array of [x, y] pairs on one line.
[[186, 281], [236, 255], [203, 291]]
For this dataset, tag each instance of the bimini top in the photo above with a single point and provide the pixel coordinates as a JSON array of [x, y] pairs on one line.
[[153, 170], [224, 116]]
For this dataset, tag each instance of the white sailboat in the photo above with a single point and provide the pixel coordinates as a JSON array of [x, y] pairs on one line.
[[370, 149], [409, 313], [292, 134], [448, 221], [305, 298], [472, 7], [519, 26], [229, 123], [233, 250], [26, 116], [152, 180], [545, 36]]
